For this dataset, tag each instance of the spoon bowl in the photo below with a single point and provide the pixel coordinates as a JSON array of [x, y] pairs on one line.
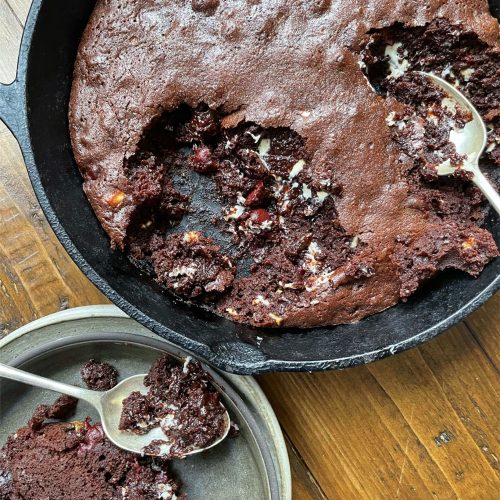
[[469, 141], [109, 406]]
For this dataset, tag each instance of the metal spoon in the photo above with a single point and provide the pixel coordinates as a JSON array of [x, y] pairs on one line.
[[109, 406], [469, 141]]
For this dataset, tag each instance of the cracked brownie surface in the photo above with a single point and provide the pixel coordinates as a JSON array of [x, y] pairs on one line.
[[269, 160]]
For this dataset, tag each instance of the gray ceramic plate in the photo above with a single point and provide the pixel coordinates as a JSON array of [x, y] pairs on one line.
[[253, 466]]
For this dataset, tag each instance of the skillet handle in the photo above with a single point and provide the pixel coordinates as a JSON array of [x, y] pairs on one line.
[[12, 107]]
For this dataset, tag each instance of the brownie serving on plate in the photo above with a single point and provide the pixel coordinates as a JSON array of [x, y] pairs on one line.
[[182, 401], [60, 460], [278, 162]]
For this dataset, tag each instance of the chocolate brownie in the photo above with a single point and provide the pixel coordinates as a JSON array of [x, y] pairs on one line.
[[190, 265], [182, 401], [99, 376], [61, 460], [294, 139]]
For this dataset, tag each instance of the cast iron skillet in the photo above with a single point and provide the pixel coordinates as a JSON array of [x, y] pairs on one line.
[[35, 109]]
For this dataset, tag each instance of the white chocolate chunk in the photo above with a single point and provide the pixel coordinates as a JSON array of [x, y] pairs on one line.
[[297, 168], [235, 212], [467, 73], [264, 147], [277, 319], [191, 237], [449, 104], [182, 271], [260, 300], [397, 65], [256, 138], [321, 196]]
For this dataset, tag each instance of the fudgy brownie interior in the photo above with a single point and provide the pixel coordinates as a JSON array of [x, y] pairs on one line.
[[182, 401], [391, 60], [60, 460], [264, 211]]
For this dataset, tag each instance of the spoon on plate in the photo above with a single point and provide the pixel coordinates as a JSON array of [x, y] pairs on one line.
[[469, 141], [109, 406]]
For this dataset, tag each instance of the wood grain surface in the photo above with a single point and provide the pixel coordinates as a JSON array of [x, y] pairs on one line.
[[422, 424]]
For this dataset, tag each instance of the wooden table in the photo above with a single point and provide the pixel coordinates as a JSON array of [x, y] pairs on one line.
[[421, 424]]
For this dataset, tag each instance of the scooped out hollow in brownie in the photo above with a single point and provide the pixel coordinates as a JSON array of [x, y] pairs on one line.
[[449, 51], [423, 130], [272, 214]]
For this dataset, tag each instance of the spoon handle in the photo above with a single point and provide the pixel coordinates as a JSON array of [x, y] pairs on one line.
[[29, 378], [488, 190]]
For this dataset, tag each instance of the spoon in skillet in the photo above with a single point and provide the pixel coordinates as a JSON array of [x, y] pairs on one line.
[[469, 141], [109, 406]]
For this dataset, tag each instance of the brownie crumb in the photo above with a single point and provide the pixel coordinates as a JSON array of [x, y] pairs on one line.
[[63, 407], [234, 430], [99, 376], [191, 265], [464, 247]]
